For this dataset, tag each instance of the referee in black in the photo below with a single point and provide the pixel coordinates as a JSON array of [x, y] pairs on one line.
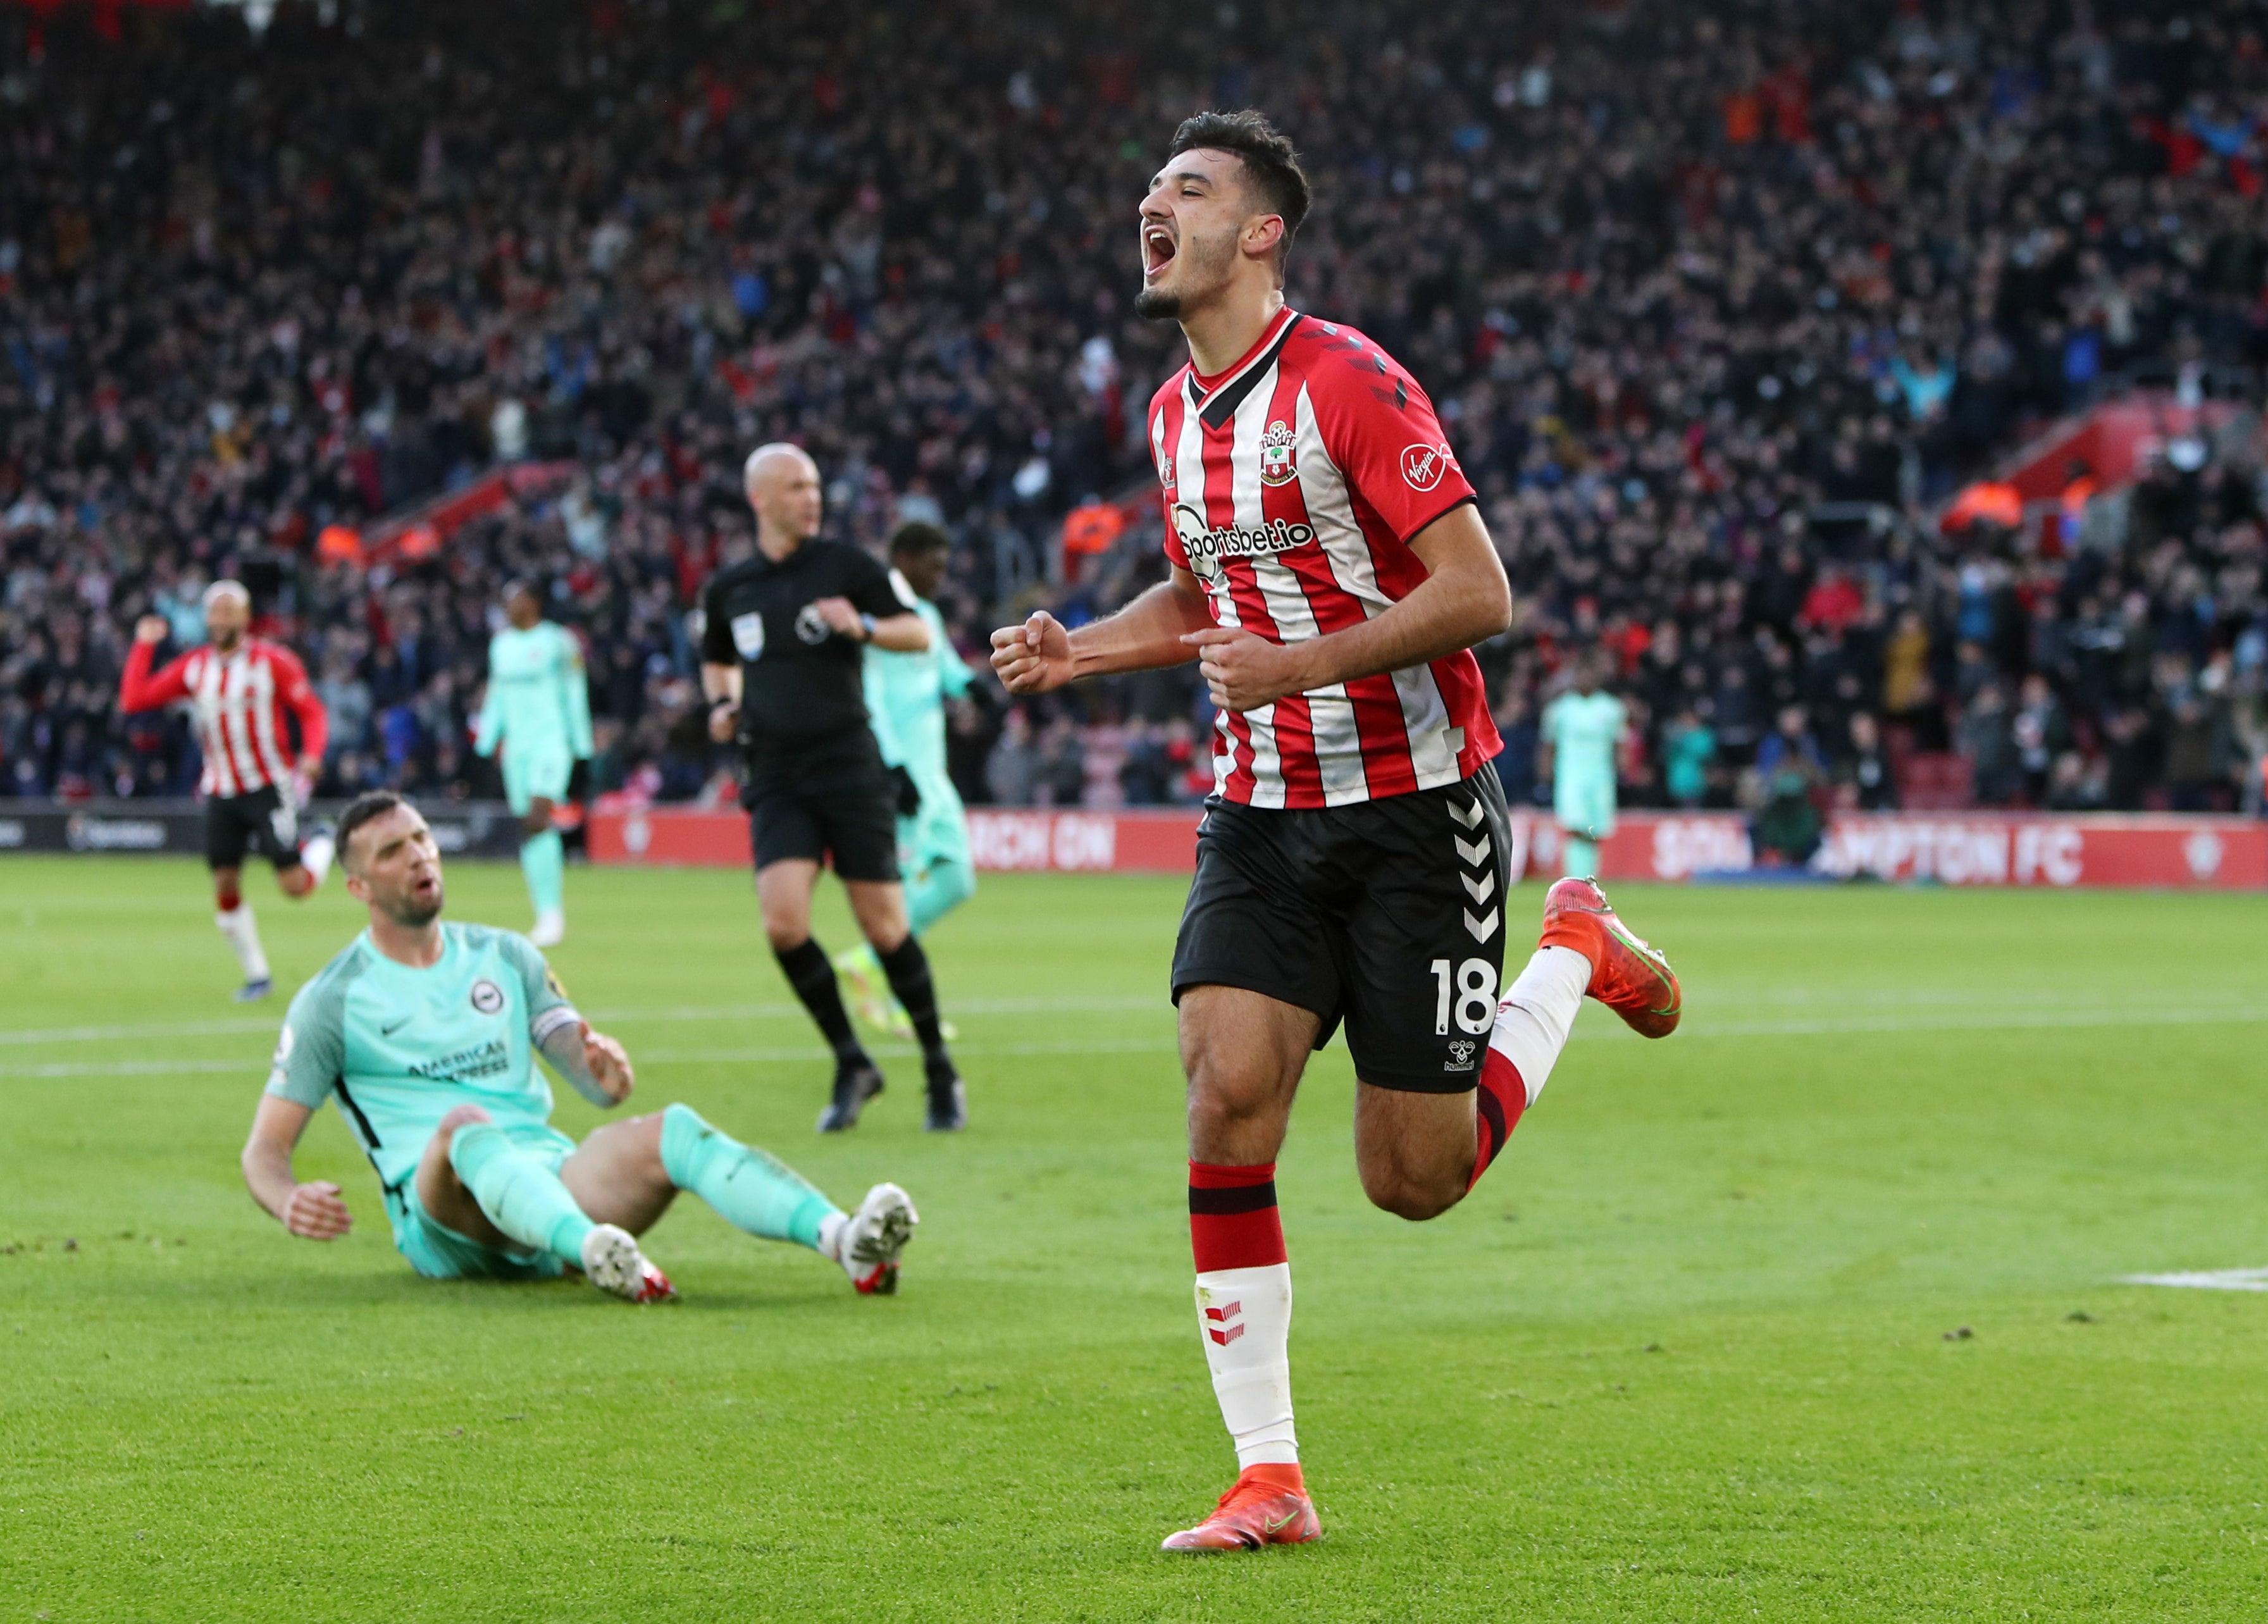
[[782, 665]]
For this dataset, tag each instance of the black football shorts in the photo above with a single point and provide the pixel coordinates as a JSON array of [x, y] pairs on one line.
[[266, 821], [832, 799], [1388, 913]]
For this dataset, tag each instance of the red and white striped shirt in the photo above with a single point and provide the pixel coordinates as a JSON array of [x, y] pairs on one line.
[[1293, 482], [239, 700]]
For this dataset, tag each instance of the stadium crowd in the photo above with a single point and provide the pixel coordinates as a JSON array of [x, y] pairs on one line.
[[1720, 303]]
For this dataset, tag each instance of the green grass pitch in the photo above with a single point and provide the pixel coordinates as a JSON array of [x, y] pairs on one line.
[[1684, 1355]]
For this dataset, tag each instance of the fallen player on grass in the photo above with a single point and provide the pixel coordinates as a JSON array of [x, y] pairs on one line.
[[427, 1031]]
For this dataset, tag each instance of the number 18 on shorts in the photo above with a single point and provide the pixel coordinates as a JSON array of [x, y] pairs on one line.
[[1387, 914]]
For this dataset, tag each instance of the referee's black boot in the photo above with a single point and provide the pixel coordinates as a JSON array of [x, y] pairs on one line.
[[948, 1101], [856, 1082]]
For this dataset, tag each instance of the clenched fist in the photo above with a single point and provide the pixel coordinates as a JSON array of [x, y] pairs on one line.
[[1034, 658], [1243, 672]]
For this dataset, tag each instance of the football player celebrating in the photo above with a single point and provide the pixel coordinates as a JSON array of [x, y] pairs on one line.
[[1330, 573], [538, 707], [426, 1032], [240, 689]]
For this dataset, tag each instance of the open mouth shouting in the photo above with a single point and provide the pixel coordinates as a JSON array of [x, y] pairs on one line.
[[1158, 250]]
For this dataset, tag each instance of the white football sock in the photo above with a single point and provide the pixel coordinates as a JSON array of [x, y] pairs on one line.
[[1538, 1011], [316, 856], [1245, 1317], [236, 924]]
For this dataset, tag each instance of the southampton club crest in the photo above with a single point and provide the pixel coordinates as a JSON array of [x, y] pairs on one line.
[[1275, 465]]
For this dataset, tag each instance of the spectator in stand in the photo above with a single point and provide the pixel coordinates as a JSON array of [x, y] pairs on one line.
[[1017, 767], [2040, 736], [1687, 750], [1989, 741], [1863, 771]]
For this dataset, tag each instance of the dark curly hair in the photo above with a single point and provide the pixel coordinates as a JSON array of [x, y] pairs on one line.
[[1271, 166]]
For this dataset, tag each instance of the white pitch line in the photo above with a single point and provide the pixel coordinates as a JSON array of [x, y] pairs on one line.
[[693, 1012], [168, 1029], [891, 1051], [2205, 1279], [956, 1006], [1984, 1020]]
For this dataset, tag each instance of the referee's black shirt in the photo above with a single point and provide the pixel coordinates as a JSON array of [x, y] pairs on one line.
[[800, 682]]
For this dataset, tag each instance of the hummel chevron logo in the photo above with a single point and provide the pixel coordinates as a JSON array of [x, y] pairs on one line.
[[1469, 816], [1483, 928], [1482, 889], [1226, 1312], [1477, 853]]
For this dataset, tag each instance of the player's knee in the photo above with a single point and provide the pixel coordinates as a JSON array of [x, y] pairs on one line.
[[786, 933], [226, 894], [885, 936], [295, 882], [1223, 1105], [459, 1116], [1409, 1195]]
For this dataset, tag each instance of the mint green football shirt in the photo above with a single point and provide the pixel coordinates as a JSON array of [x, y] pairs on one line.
[[539, 699], [401, 1047], [906, 695], [1585, 730]]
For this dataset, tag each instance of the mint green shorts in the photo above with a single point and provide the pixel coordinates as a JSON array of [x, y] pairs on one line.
[[530, 775], [438, 1253]]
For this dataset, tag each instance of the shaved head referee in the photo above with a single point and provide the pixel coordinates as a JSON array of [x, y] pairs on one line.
[[782, 653]]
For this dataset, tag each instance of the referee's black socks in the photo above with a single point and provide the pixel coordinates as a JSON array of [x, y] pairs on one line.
[[807, 970], [907, 968]]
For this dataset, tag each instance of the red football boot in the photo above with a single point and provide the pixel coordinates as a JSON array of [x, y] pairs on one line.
[[1629, 977], [1266, 1505]]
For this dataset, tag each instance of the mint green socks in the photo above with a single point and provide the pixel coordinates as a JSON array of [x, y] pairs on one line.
[[543, 859], [1581, 859], [749, 1190], [522, 1196]]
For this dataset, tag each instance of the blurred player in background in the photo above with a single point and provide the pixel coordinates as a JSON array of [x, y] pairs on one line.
[[1579, 735], [539, 710], [783, 635], [240, 689], [1330, 573], [426, 1032], [905, 700]]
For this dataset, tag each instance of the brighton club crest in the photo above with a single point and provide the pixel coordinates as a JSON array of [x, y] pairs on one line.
[[1275, 465]]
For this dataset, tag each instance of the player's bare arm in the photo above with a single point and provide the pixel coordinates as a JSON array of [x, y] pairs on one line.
[[899, 634], [313, 1211], [1148, 632], [1464, 599], [593, 1063]]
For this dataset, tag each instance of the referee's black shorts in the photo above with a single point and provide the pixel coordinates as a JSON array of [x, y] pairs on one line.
[[829, 798], [265, 820], [1388, 913]]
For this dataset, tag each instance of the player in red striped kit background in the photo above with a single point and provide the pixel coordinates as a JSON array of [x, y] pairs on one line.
[[1330, 573], [240, 690]]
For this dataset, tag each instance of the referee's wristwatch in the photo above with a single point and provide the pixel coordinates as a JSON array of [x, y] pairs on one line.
[[867, 628]]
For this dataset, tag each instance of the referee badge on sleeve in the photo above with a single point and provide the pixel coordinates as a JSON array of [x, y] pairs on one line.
[[749, 635]]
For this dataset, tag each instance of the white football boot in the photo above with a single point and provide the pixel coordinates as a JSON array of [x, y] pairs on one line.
[[613, 1262], [867, 1243]]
